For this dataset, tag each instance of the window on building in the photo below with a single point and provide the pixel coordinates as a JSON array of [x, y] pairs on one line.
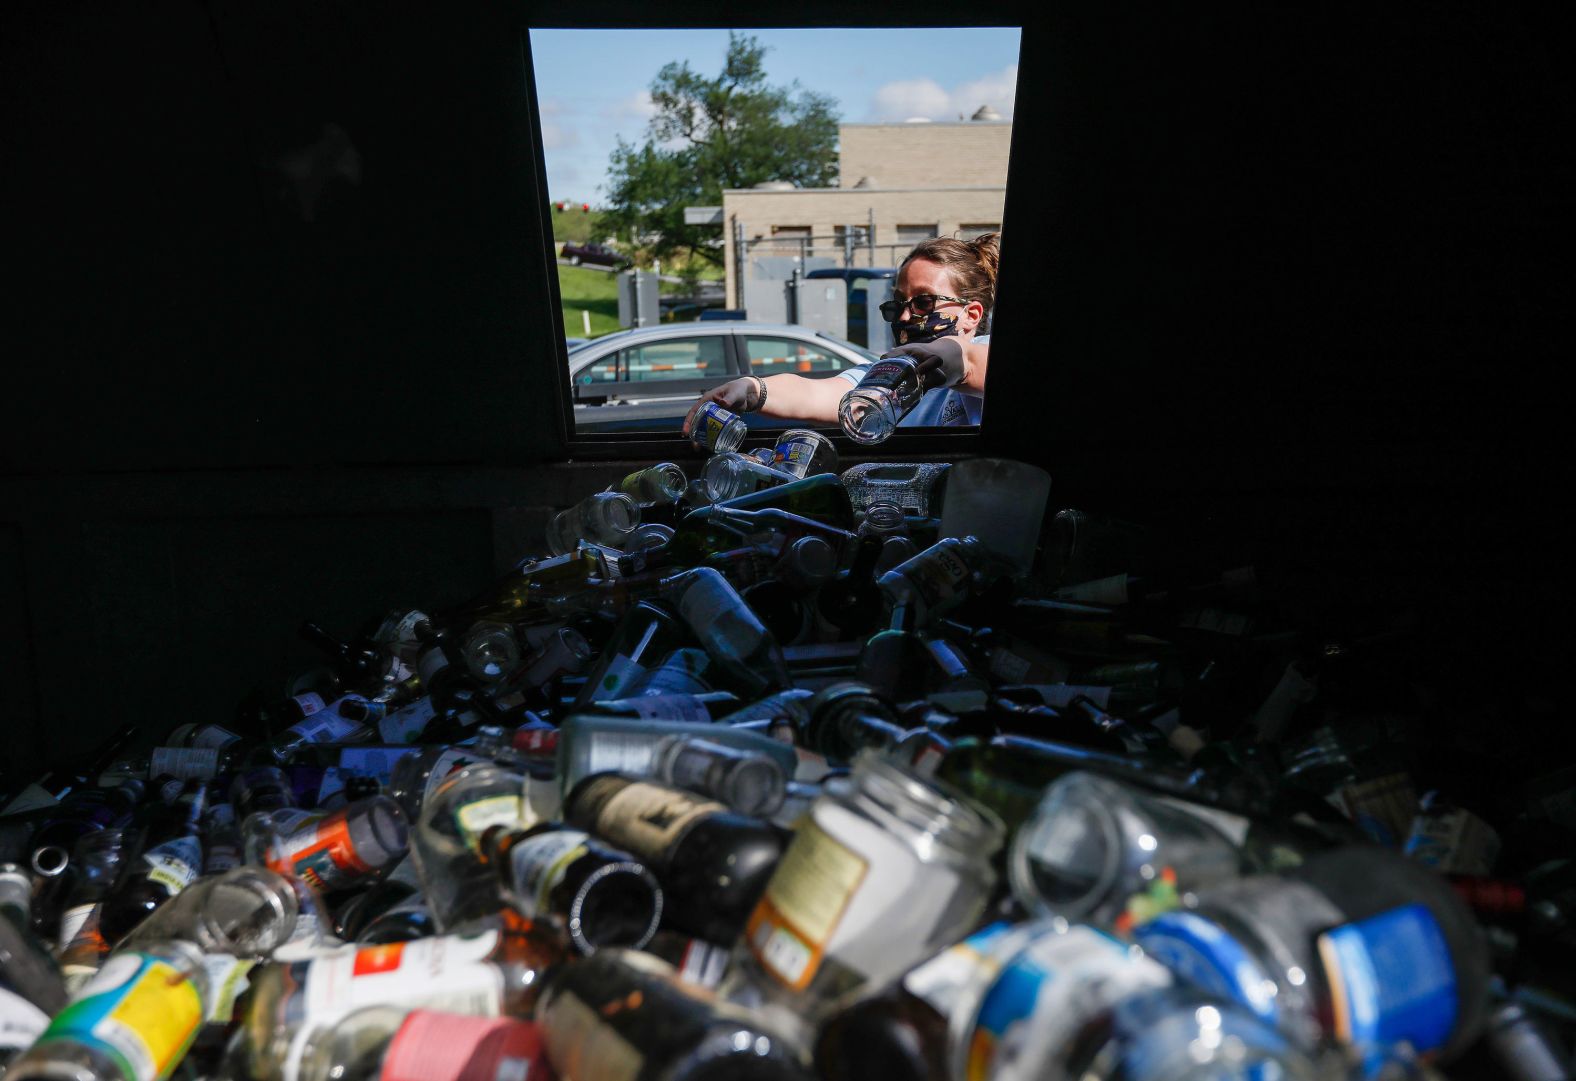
[[771, 356], [683, 358], [969, 232], [909, 235]]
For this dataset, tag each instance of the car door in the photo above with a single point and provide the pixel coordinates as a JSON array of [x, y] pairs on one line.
[[677, 368], [773, 354]]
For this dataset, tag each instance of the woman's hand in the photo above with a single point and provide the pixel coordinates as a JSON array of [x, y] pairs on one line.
[[735, 396]]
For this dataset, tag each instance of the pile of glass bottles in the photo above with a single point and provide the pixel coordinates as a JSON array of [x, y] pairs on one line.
[[784, 773]]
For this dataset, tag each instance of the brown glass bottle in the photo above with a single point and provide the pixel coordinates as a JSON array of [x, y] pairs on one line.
[[712, 863]]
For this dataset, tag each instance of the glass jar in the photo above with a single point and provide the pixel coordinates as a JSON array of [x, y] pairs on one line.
[[887, 868]]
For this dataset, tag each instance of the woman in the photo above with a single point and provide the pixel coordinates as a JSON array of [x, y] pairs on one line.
[[944, 288]]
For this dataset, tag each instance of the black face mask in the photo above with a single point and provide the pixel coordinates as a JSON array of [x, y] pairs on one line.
[[924, 329]]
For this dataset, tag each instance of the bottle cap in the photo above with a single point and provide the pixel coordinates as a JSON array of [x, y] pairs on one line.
[[434, 1046]]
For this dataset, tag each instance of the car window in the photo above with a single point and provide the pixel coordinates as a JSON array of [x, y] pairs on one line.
[[770, 356], [603, 371], [681, 358]]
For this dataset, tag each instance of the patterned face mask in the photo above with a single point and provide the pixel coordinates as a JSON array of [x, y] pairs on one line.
[[926, 328]]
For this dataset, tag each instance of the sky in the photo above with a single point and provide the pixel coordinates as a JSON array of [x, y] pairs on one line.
[[593, 83]]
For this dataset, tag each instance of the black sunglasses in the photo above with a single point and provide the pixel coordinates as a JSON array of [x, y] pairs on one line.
[[923, 304]]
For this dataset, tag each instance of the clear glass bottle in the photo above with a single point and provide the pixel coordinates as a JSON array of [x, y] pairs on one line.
[[890, 389], [939, 578], [750, 782], [803, 452], [589, 744], [344, 847], [134, 1021], [730, 474], [917, 487], [26, 967], [888, 868], [602, 518], [456, 884], [1103, 852], [491, 651], [394, 1043], [246, 912], [660, 483], [717, 431], [96, 859], [731, 634]]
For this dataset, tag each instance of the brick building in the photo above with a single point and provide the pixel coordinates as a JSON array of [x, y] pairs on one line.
[[898, 184]]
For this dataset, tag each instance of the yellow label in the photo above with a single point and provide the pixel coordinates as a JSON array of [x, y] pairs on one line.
[[807, 896], [163, 1010], [475, 818]]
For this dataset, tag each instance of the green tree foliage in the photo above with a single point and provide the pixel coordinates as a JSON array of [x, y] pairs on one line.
[[729, 131]]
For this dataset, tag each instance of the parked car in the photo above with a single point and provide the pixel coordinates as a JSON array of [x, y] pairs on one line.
[[648, 378], [595, 254], [860, 280]]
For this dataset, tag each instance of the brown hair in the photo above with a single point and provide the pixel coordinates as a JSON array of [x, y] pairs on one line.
[[971, 263]]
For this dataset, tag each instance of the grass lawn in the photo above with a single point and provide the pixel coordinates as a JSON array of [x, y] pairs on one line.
[[595, 291]]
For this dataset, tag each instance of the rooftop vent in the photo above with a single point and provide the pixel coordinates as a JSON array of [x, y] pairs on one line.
[[775, 185]]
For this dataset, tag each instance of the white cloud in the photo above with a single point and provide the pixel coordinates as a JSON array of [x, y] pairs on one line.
[[927, 98], [556, 134], [638, 106]]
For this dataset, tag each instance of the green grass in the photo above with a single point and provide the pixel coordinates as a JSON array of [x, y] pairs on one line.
[[595, 291], [575, 224]]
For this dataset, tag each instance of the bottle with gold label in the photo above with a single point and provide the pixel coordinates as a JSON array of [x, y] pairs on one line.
[[889, 867], [712, 863], [599, 895], [134, 1021], [623, 1015]]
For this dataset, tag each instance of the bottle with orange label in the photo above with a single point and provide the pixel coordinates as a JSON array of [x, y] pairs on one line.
[[343, 847], [134, 1021], [497, 969], [884, 871]]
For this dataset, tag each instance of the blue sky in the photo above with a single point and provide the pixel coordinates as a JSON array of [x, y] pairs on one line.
[[592, 83]]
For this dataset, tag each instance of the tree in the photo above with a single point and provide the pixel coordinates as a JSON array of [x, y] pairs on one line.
[[730, 131]]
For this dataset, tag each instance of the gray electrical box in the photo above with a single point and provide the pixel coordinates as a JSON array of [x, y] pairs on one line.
[[637, 298], [765, 285], [819, 303]]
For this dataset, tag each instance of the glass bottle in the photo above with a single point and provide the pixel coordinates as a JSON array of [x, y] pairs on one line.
[[890, 389], [26, 967], [888, 867], [939, 578], [83, 811], [712, 862], [717, 431], [750, 782], [803, 452], [660, 483], [589, 744], [742, 647], [456, 884], [623, 1015], [847, 717], [344, 847], [917, 487], [821, 497], [730, 474], [602, 518], [599, 895], [648, 632], [96, 860], [326, 725], [169, 859], [491, 971], [246, 912], [394, 1043]]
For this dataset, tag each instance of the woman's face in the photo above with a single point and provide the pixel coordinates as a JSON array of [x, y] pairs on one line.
[[920, 276]]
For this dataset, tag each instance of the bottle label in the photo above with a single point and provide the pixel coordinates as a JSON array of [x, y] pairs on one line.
[[309, 703], [433, 1046], [227, 978], [537, 866], [323, 854], [938, 576], [1390, 980], [667, 707], [72, 920], [407, 722], [174, 864], [703, 963], [375, 762], [886, 374], [1217, 621], [213, 735], [808, 893], [1045, 994], [706, 601], [220, 857], [444, 972], [1199, 951], [185, 763], [584, 1047], [325, 726], [455, 758], [944, 980], [332, 784], [710, 423], [21, 1022], [1453, 842], [140, 1011], [647, 820], [1382, 808], [620, 671], [476, 817]]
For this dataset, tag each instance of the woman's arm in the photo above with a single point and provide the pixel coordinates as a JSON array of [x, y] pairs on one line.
[[975, 357], [788, 397]]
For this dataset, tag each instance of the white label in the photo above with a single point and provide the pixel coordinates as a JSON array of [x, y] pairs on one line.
[[943, 979], [72, 921], [620, 752], [444, 972], [227, 978], [333, 783], [186, 763], [538, 864], [703, 964], [213, 735], [174, 863], [21, 1022], [325, 727], [476, 817], [408, 722], [309, 703]]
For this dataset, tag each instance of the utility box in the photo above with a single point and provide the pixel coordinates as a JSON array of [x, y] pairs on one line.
[[637, 299], [878, 332], [819, 303], [766, 281]]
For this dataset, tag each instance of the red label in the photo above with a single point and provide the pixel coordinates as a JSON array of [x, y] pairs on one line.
[[375, 959]]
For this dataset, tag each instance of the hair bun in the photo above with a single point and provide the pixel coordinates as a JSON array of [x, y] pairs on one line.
[[987, 252]]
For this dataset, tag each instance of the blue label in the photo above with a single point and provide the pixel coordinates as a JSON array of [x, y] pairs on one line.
[[1203, 954], [375, 762], [1391, 980]]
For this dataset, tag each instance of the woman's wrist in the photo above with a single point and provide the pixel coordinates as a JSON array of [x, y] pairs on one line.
[[755, 396]]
